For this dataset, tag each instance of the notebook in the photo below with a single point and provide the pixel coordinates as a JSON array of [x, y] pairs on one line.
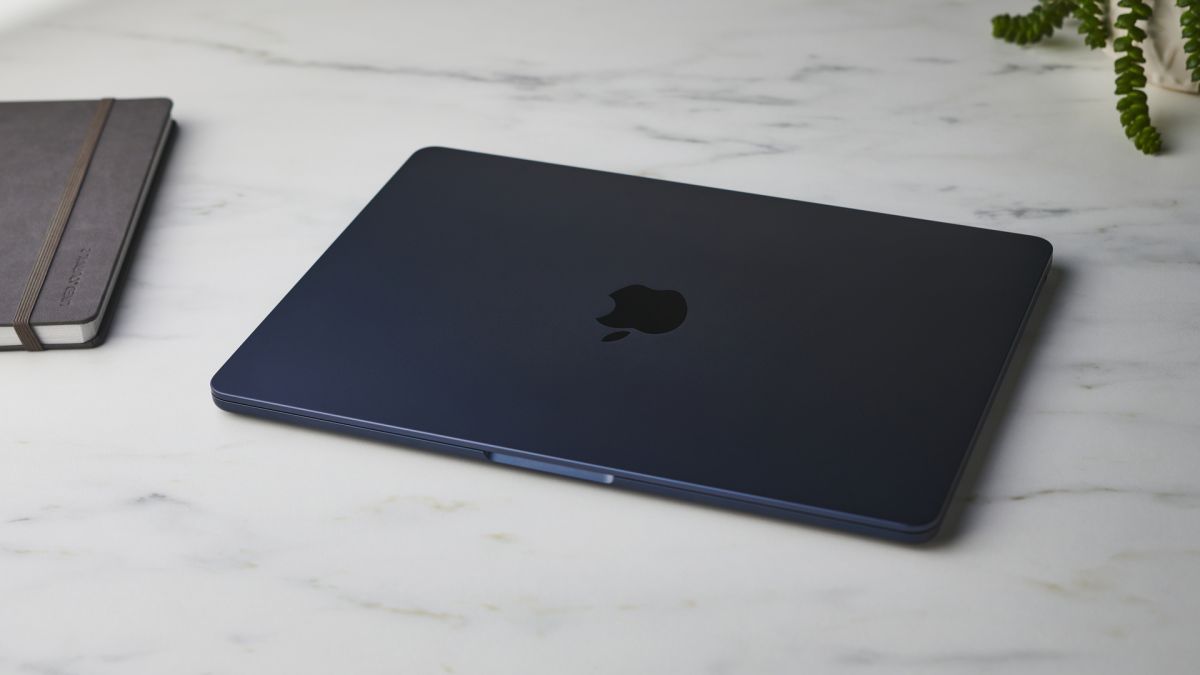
[[810, 362], [74, 176]]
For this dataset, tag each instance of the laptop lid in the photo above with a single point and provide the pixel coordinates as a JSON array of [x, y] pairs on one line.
[[816, 358]]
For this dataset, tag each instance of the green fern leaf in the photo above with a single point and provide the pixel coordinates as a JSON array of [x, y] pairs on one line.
[[1131, 76]]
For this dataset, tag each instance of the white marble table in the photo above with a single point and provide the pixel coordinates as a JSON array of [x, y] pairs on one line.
[[144, 531]]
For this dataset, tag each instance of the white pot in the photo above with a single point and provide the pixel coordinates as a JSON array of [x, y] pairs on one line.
[[1166, 62]]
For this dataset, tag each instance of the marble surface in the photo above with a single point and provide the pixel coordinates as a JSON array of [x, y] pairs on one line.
[[144, 531]]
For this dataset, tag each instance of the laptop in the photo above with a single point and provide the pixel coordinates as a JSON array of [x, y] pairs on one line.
[[809, 362]]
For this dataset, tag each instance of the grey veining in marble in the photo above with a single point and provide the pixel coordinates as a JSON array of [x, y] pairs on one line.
[[144, 531]]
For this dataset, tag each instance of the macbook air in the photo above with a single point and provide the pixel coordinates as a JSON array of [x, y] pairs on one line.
[[815, 363]]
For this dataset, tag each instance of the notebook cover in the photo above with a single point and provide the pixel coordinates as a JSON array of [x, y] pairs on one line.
[[39, 143]]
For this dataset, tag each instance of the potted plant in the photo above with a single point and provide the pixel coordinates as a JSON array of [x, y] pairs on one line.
[[1161, 40]]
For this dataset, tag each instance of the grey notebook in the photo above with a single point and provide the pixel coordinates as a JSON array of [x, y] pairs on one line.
[[81, 169]]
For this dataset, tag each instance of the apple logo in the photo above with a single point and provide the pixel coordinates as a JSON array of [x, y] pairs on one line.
[[644, 309]]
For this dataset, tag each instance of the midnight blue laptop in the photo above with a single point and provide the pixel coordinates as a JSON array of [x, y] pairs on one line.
[[810, 362]]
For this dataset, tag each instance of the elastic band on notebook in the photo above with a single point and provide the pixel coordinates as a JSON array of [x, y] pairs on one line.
[[41, 266]]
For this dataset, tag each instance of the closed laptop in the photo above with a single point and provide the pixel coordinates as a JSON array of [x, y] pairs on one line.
[[811, 362]]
